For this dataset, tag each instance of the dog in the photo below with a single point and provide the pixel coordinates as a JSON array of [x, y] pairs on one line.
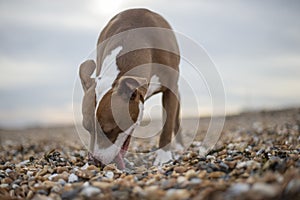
[[112, 105]]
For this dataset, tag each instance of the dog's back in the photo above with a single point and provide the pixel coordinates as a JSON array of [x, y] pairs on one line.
[[127, 29]]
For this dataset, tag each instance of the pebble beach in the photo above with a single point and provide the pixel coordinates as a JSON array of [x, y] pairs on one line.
[[257, 157]]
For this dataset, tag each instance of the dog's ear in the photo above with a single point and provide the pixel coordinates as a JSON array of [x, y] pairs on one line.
[[130, 86], [85, 71]]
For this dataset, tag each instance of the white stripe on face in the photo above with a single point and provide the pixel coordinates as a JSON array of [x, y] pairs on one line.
[[107, 155]]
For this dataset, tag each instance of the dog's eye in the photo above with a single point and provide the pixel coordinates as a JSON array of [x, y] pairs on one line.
[[133, 96], [141, 98]]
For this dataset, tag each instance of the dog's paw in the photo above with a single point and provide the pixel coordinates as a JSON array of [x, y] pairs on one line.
[[162, 157], [177, 147]]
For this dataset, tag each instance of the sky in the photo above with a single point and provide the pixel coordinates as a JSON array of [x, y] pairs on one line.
[[255, 46]]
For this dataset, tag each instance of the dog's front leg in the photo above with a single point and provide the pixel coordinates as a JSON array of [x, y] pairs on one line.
[[170, 104]]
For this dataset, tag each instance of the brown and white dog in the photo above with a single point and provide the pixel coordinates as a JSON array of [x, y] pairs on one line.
[[113, 102]]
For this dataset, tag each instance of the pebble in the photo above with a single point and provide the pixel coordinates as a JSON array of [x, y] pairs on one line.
[[239, 188], [72, 178], [60, 169], [61, 182], [4, 185], [23, 163], [49, 184], [190, 174], [15, 186], [7, 180], [84, 167], [85, 174], [102, 185], [177, 194], [216, 174], [195, 181], [181, 179], [109, 174], [56, 189], [52, 176], [231, 164], [224, 167], [293, 186], [249, 163], [209, 157], [29, 194], [264, 189], [180, 169], [70, 194]]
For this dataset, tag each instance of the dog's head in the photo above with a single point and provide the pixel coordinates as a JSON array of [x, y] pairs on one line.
[[112, 116]]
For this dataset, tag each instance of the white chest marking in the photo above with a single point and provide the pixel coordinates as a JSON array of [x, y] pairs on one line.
[[106, 155], [153, 86]]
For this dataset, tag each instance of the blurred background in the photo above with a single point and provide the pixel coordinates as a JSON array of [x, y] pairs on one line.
[[254, 44]]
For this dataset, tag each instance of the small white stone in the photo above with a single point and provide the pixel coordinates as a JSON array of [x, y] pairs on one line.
[[52, 176], [86, 184], [241, 164], [90, 191], [15, 186], [195, 181], [239, 188], [4, 185], [84, 167], [23, 163], [72, 178], [181, 179], [29, 173], [210, 157], [37, 185], [177, 194], [265, 189], [109, 174]]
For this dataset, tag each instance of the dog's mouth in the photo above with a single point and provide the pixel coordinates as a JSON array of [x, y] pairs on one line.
[[118, 160]]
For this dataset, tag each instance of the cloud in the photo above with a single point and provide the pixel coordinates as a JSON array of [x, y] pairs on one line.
[[32, 116], [255, 45], [48, 14]]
